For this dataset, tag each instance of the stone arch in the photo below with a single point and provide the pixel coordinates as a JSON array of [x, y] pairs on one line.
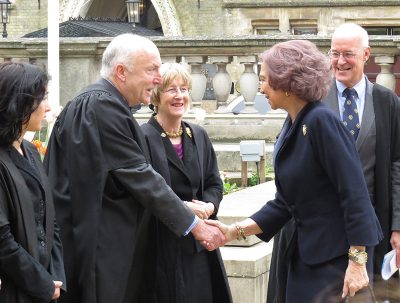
[[165, 10], [168, 17], [73, 8]]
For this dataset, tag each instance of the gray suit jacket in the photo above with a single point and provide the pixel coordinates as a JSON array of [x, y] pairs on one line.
[[366, 140]]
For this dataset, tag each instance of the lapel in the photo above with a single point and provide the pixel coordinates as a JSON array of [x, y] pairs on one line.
[[25, 209], [188, 146], [368, 117], [156, 147], [26, 165], [295, 128], [170, 152], [50, 212], [199, 144]]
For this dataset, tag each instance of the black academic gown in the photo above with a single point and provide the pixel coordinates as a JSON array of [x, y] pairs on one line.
[[24, 279], [196, 176], [104, 189]]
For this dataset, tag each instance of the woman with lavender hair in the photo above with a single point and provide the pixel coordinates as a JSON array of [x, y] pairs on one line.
[[319, 182]]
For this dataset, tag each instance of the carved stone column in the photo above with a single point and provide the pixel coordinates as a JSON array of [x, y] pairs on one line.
[[386, 77]]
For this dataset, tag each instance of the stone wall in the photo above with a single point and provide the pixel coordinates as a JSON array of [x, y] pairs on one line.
[[203, 18], [231, 17], [221, 18], [26, 17]]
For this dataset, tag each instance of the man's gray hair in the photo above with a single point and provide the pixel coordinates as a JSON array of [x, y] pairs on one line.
[[122, 50], [352, 30]]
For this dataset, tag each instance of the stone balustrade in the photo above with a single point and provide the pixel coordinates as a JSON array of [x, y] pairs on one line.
[[234, 59]]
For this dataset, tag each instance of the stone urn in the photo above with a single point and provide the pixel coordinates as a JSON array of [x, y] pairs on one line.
[[222, 84], [248, 83], [199, 82]]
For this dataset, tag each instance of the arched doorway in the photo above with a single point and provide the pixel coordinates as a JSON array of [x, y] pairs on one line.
[[156, 14]]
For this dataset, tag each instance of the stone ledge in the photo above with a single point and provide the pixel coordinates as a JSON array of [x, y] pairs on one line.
[[241, 204]]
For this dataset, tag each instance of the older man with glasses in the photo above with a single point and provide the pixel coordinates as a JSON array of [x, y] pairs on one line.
[[371, 112]]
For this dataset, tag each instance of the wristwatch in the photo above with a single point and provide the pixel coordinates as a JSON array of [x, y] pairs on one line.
[[358, 256]]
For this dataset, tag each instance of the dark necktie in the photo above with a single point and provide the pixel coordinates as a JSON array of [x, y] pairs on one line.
[[350, 112]]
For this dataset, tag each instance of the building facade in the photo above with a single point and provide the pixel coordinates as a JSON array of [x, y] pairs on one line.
[[199, 20]]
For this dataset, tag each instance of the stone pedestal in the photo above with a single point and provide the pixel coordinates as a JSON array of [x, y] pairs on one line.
[[247, 262], [247, 269]]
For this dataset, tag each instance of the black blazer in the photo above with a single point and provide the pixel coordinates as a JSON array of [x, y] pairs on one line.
[[161, 154], [320, 184], [200, 166], [23, 278]]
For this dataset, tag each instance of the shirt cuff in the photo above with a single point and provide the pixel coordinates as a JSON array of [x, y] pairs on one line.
[[194, 223]]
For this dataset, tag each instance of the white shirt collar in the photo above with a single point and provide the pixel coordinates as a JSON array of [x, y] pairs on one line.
[[359, 87]]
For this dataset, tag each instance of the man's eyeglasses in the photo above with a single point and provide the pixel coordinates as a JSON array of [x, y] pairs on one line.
[[174, 90], [346, 55]]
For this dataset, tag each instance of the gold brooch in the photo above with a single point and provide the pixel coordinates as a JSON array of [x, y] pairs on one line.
[[188, 132], [304, 129]]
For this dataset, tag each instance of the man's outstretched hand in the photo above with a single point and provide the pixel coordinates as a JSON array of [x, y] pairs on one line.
[[209, 236]]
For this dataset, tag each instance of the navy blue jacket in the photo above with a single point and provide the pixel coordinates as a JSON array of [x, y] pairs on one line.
[[320, 183]]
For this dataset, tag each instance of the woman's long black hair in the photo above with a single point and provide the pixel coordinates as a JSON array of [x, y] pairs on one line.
[[22, 88]]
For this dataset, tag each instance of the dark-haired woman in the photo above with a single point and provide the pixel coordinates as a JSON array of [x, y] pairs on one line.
[[31, 263]]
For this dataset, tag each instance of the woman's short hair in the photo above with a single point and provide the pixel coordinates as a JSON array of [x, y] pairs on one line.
[[169, 72], [298, 67], [22, 88]]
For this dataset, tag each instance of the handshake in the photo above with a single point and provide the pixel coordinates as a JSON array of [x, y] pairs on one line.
[[213, 234]]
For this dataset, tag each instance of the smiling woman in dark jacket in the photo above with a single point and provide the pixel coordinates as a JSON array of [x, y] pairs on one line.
[[182, 153], [31, 264]]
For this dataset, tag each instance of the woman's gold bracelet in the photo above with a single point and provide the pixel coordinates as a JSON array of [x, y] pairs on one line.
[[240, 232]]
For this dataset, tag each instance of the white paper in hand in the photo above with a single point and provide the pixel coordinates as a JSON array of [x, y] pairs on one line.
[[389, 265]]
